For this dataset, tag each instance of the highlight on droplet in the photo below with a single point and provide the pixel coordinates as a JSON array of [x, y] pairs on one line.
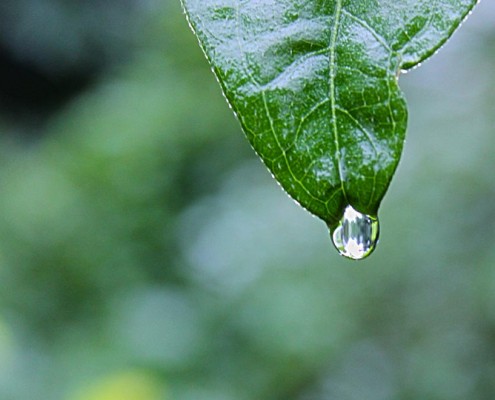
[[356, 235]]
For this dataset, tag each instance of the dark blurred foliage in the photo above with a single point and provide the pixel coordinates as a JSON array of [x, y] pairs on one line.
[[146, 254]]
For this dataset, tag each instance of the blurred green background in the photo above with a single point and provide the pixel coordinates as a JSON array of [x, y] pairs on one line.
[[146, 254]]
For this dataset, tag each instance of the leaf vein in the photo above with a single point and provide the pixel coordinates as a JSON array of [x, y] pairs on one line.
[[284, 154], [332, 46], [369, 28]]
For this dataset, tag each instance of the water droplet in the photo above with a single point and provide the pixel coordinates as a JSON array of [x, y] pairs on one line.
[[356, 234]]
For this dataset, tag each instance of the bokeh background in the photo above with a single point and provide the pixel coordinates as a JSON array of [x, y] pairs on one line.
[[146, 254]]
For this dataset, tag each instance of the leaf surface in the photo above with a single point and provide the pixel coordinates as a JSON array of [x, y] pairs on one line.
[[314, 84]]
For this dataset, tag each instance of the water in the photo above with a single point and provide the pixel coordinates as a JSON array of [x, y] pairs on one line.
[[356, 234]]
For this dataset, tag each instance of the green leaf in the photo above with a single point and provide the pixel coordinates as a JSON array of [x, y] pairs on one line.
[[314, 84]]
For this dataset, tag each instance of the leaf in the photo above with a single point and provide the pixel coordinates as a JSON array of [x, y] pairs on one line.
[[314, 84]]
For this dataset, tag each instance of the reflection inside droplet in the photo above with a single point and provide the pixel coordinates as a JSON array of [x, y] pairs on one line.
[[356, 234]]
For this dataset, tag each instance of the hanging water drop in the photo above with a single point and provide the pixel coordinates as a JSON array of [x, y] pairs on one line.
[[356, 234]]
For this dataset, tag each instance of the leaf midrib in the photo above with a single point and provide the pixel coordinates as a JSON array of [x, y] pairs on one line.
[[332, 45]]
